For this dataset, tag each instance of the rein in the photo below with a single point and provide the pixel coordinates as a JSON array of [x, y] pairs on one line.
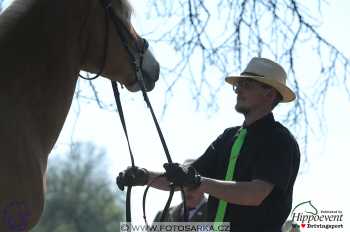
[[106, 41], [136, 58]]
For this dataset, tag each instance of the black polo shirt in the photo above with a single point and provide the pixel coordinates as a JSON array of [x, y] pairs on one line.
[[269, 153]]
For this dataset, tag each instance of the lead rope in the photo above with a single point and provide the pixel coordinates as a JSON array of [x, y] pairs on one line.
[[166, 150], [172, 187], [122, 120]]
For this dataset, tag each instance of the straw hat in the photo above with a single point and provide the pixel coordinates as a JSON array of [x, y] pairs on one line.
[[267, 72]]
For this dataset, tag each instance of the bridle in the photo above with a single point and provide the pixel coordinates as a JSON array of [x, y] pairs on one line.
[[136, 58]]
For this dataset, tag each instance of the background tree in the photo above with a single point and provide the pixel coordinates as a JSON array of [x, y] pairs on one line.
[[220, 37], [210, 39], [79, 197]]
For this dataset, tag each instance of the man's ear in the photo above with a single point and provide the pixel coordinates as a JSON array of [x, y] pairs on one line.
[[271, 94]]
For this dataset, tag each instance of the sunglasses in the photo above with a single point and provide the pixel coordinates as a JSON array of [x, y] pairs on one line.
[[249, 84]]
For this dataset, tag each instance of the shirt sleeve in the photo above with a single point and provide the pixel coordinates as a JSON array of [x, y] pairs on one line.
[[274, 163], [207, 164]]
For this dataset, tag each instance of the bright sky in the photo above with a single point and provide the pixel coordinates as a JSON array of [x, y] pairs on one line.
[[188, 133]]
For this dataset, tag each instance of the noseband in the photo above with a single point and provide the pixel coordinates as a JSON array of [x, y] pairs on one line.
[[136, 56]]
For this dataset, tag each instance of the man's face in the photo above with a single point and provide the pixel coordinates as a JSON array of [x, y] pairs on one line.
[[193, 197], [251, 95]]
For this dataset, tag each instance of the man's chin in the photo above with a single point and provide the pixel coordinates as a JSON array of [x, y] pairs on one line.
[[241, 109]]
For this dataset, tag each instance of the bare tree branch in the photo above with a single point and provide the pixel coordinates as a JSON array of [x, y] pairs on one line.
[[232, 31], [212, 39]]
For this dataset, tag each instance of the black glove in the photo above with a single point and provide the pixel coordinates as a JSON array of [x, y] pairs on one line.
[[132, 176], [182, 176]]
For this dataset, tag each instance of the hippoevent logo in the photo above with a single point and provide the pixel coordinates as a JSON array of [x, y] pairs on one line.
[[307, 217]]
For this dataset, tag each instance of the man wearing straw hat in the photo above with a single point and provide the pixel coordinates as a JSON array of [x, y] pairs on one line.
[[248, 171]]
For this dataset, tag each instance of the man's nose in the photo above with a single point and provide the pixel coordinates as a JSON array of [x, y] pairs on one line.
[[237, 89]]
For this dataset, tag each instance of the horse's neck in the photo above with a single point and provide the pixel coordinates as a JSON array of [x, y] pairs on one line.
[[39, 60], [37, 31]]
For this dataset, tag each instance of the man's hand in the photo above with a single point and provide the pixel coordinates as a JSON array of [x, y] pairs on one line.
[[182, 176], [132, 176]]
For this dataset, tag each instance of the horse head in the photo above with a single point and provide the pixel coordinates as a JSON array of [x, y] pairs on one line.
[[112, 45], [306, 207]]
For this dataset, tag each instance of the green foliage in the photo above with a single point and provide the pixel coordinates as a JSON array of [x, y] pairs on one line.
[[79, 197]]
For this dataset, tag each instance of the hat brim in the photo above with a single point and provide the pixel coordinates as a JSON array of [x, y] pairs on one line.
[[286, 93]]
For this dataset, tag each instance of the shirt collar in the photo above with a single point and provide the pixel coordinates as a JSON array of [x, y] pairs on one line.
[[262, 122]]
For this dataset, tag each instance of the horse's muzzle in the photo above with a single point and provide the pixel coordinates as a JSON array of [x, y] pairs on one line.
[[150, 72]]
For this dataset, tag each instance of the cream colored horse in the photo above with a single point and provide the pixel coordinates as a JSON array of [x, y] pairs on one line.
[[43, 46]]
